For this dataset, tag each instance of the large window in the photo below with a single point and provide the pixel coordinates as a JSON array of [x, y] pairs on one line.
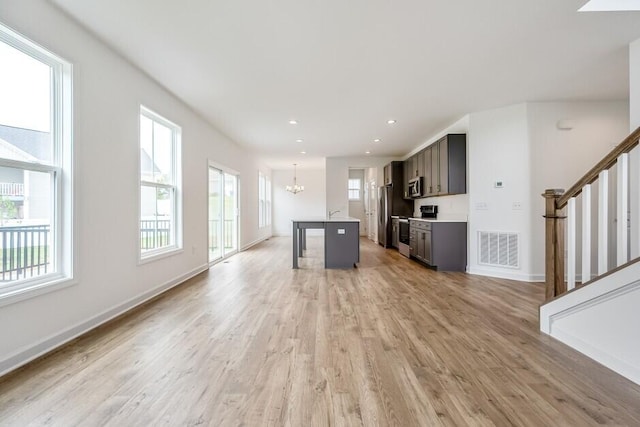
[[159, 185], [35, 168], [264, 200]]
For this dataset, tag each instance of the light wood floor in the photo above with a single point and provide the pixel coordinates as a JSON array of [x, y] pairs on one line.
[[255, 343]]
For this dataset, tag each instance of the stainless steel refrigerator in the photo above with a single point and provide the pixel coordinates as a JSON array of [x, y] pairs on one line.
[[392, 203]]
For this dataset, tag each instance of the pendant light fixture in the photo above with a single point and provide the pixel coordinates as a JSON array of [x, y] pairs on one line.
[[295, 188]]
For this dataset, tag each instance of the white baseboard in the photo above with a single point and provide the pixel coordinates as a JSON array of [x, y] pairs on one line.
[[255, 242], [26, 355], [620, 285], [626, 370], [516, 275]]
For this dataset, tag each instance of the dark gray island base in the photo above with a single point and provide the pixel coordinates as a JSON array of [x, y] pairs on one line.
[[341, 240]]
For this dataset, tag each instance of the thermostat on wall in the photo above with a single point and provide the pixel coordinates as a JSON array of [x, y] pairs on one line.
[[498, 184]]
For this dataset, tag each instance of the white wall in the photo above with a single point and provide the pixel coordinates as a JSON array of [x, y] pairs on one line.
[[338, 173], [107, 95], [498, 149], [559, 158], [600, 320], [308, 204]]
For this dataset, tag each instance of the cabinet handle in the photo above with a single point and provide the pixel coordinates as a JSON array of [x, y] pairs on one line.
[[438, 188]]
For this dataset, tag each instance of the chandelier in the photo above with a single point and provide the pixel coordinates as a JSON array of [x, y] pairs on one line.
[[295, 188]]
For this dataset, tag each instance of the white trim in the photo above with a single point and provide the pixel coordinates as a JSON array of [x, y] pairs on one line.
[[159, 254], [176, 186], [605, 289], [521, 277], [25, 355], [61, 170], [623, 368], [255, 242], [23, 291]]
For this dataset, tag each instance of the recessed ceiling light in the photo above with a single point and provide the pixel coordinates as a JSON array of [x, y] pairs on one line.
[[293, 122], [610, 5], [298, 140], [367, 152], [376, 140], [303, 152], [391, 121]]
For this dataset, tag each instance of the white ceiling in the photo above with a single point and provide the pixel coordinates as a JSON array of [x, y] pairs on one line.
[[342, 68]]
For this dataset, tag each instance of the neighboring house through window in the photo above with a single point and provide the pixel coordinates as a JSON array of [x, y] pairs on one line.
[[160, 207], [36, 198]]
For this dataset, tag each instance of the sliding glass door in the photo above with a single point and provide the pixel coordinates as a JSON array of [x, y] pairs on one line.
[[223, 214]]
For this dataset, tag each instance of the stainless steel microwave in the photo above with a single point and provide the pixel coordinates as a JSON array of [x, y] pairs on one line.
[[415, 187]]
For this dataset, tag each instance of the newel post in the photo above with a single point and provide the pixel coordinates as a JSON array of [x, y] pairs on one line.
[[554, 245]]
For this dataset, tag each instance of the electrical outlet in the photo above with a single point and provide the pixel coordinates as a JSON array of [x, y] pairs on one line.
[[481, 206], [516, 206]]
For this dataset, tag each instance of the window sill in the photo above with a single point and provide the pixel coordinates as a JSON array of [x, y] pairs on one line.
[[31, 290], [153, 256]]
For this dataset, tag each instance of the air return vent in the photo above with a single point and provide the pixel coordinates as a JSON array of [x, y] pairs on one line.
[[499, 249]]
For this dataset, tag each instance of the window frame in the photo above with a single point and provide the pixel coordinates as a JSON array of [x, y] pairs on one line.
[[176, 187], [264, 200], [350, 189], [60, 170]]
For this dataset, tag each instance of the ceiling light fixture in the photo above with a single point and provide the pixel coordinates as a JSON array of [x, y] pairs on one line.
[[295, 188], [303, 152], [298, 140], [376, 140], [610, 6], [293, 122], [391, 121], [367, 152]]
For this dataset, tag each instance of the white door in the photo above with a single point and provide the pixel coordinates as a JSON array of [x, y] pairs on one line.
[[223, 214]]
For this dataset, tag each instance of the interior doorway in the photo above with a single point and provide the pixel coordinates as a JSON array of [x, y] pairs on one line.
[[223, 214], [372, 205], [357, 199]]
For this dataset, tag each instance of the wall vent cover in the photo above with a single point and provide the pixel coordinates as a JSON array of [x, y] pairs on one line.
[[500, 249]]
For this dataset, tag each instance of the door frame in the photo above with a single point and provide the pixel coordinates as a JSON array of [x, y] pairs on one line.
[[224, 169]]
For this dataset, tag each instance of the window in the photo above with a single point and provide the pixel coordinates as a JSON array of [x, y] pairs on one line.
[[264, 200], [36, 251], [159, 185], [355, 189]]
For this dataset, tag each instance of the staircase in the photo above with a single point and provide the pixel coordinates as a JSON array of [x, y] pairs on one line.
[[592, 286]]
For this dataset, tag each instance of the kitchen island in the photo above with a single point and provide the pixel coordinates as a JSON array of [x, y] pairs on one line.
[[341, 240]]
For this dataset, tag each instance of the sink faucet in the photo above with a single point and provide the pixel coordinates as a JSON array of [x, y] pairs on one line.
[[332, 213]]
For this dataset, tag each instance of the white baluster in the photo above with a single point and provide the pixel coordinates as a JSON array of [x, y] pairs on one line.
[[603, 211], [571, 243], [622, 213], [586, 233]]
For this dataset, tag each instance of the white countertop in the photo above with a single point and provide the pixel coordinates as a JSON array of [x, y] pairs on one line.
[[325, 219], [437, 220]]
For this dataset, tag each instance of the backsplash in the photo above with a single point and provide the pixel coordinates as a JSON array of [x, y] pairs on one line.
[[454, 208]]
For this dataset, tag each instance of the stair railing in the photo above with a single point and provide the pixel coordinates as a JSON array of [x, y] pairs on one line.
[[558, 199]]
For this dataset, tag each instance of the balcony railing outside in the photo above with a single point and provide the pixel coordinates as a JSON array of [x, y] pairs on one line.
[[25, 252], [155, 233], [227, 234]]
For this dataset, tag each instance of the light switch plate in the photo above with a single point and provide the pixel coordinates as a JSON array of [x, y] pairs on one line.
[[341, 231]]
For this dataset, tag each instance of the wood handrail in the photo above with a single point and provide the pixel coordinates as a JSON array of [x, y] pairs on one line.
[[607, 162]]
